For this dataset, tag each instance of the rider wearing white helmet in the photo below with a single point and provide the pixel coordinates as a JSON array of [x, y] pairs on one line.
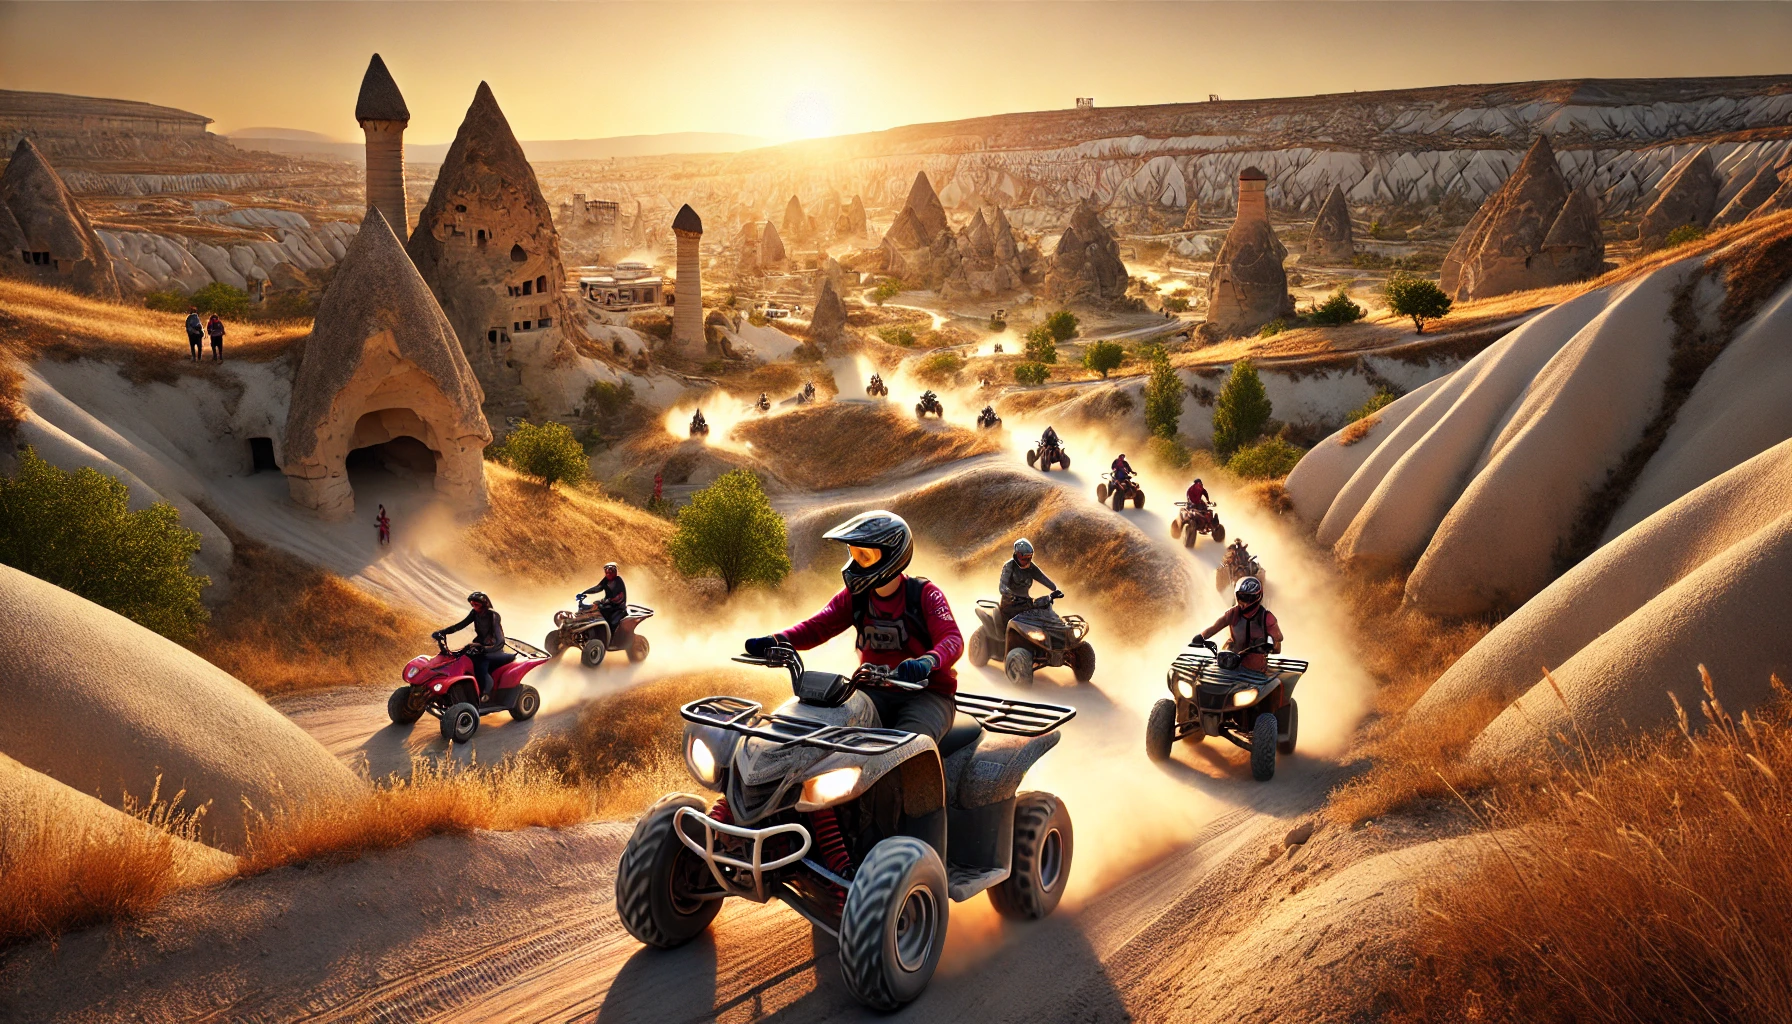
[[1251, 623]]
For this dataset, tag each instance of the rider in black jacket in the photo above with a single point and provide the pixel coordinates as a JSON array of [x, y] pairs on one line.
[[488, 638], [614, 602]]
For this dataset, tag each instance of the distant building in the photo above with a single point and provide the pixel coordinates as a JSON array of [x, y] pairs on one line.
[[627, 285], [1085, 103]]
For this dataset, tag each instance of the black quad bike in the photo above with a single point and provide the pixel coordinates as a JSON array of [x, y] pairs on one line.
[[877, 388], [699, 425], [807, 395], [587, 629], [1192, 522], [1036, 637], [987, 419], [1046, 455], [1213, 695], [929, 404], [1118, 492], [1231, 570], [867, 832], [764, 404]]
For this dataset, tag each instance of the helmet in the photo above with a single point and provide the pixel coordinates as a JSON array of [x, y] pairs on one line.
[[609, 566], [1023, 546], [881, 546], [1248, 591], [478, 597]]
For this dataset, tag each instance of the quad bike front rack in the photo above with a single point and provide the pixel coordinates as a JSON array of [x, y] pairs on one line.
[[1200, 665], [1015, 717], [747, 717]]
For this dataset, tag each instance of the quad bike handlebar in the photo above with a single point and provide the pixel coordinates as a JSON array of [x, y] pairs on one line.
[[783, 655], [1211, 505], [1266, 647]]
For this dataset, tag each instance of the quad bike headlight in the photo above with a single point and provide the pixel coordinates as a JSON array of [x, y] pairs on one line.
[[701, 760], [830, 786], [1244, 698], [411, 672], [1036, 635], [1185, 689]]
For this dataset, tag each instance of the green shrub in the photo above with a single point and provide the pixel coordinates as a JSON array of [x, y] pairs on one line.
[[730, 531], [1042, 345], [1377, 402], [548, 452], [1176, 304], [1104, 356], [938, 367], [901, 336], [170, 301], [1031, 373], [886, 290], [1163, 394], [1273, 328], [1415, 297], [1168, 452], [76, 530], [607, 403], [1269, 459], [221, 299], [1336, 310], [1062, 325], [1241, 411], [1683, 234]]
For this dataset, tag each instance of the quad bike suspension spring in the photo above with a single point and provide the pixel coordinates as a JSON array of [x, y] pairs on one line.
[[720, 811], [829, 843]]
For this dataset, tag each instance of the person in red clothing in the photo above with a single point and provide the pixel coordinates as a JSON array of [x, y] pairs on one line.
[[901, 621], [1251, 625], [1198, 496]]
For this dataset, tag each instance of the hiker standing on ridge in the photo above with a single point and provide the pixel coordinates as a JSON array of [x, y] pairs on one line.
[[195, 334], [215, 328]]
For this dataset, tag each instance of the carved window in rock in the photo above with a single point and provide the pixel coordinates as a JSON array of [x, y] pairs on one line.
[[541, 284], [481, 238], [38, 259], [528, 287], [517, 255]]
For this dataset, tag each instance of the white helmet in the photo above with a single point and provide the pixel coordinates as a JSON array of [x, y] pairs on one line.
[[1248, 591], [1023, 546]]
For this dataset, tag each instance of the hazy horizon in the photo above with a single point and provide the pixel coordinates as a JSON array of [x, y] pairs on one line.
[[780, 71]]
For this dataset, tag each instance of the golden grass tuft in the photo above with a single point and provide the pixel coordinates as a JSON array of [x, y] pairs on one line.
[[819, 448], [439, 798], [560, 533], [1648, 882], [1357, 431]]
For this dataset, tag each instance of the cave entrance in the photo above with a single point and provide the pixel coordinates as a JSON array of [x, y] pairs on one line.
[[403, 458]]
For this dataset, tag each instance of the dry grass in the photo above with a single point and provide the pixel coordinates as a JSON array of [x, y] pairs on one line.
[[1656, 885], [628, 748], [1357, 431], [65, 325], [819, 447], [548, 534], [1405, 651], [291, 626], [439, 798], [12, 396]]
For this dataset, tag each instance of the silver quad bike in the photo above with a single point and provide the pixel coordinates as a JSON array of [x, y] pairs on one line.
[[869, 833], [1036, 637], [587, 629], [1213, 695]]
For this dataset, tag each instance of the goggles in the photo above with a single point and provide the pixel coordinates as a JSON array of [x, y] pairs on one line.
[[866, 557]]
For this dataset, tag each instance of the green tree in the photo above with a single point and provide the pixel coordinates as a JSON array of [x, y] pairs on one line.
[[1241, 411], [1031, 373], [886, 290], [1176, 304], [900, 336], [1042, 345], [1380, 400], [1062, 324], [1336, 310], [76, 530], [730, 531], [548, 452], [1163, 394], [221, 299], [1103, 356], [1415, 297], [1269, 459]]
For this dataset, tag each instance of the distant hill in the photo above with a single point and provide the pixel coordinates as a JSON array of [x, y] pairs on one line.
[[296, 142]]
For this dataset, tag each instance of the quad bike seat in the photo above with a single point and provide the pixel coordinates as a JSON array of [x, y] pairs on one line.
[[500, 659], [963, 733]]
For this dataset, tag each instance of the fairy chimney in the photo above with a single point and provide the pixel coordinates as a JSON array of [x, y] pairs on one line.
[[1687, 198], [1531, 233], [45, 237], [687, 296], [1331, 238], [851, 223], [771, 247], [380, 109], [383, 371], [924, 203], [1086, 268], [1247, 287], [796, 223]]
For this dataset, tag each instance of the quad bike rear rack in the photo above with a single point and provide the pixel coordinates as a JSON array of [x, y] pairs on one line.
[[1201, 666], [527, 650], [1015, 717], [747, 717]]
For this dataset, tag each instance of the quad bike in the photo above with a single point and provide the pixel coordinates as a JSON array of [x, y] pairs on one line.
[[443, 685], [699, 425], [807, 395], [866, 832], [1215, 696], [996, 349], [1230, 572], [764, 404], [1119, 492], [877, 388], [1193, 522], [987, 419], [1046, 454], [1036, 637], [587, 629], [929, 403]]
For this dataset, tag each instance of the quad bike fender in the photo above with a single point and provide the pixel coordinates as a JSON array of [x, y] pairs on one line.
[[513, 673], [899, 764], [988, 619], [990, 770]]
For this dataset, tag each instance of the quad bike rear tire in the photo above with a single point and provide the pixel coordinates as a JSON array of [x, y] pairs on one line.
[[460, 722], [592, 654], [638, 648], [978, 649], [553, 644], [1082, 662], [1263, 747], [1101, 492], [1063, 461], [406, 705], [1286, 747], [1160, 730], [1119, 500], [1189, 536], [528, 702], [653, 879], [1018, 666], [893, 928], [1033, 459], [1138, 499], [1043, 844], [1219, 533]]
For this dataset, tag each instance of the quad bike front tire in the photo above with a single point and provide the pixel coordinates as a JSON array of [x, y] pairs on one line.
[[406, 705], [592, 654], [1176, 528], [1063, 462], [1018, 666], [894, 926], [1043, 844], [1119, 500], [528, 702], [1286, 747], [553, 644], [1189, 536], [1263, 747], [460, 722], [978, 649], [1219, 532], [1138, 499], [1033, 459], [1101, 492], [638, 648], [656, 876], [1160, 730], [1082, 662]]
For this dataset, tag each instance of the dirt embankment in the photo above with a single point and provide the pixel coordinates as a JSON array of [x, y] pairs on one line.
[[849, 444]]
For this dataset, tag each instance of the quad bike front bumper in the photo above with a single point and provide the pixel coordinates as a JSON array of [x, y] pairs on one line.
[[736, 855]]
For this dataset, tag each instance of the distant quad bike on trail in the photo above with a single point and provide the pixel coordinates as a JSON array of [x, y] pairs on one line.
[[1036, 637], [929, 404], [1046, 455], [1231, 570], [699, 425], [764, 404], [587, 629], [1191, 523], [807, 395], [869, 833], [877, 388], [444, 685], [987, 419], [1212, 694], [1119, 492]]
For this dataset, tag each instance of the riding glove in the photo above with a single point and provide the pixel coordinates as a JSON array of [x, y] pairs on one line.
[[759, 645], [1057, 595], [915, 670]]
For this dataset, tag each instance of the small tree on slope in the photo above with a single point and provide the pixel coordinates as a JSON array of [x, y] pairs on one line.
[[1103, 357], [1241, 411], [1417, 298], [1163, 395], [730, 531], [548, 453]]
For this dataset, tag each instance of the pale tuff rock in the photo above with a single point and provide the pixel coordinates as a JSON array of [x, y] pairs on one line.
[[851, 222], [1325, 470], [827, 325], [1760, 188], [924, 203], [1532, 233], [1247, 287], [486, 244], [1331, 238], [687, 309], [796, 222], [1191, 221], [825, 215], [1779, 201], [382, 362], [45, 237], [771, 247], [1086, 268], [1687, 198], [382, 114], [906, 231]]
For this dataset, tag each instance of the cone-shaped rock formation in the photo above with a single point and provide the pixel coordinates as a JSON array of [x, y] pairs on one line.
[[796, 222], [1687, 198], [1522, 237], [1760, 188], [771, 247], [1086, 267], [44, 235], [1247, 286], [851, 223], [1331, 239], [925, 204], [828, 324], [380, 99]]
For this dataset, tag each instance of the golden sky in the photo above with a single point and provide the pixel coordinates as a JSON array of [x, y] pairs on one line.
[[782, 70]]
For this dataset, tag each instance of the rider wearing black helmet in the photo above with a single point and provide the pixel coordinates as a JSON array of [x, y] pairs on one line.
[[613, 605], [901, 621], [1252, 624], [488, 638], [1016, 586]]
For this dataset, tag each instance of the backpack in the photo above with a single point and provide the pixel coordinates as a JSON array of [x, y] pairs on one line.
[[912, 625]]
